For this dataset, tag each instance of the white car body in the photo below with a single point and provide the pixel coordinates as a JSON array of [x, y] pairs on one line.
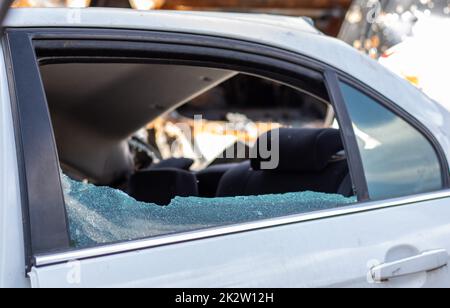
[[336, 248]]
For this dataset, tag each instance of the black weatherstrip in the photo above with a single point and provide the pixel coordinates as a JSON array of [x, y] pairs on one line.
[[348, 135], [43, 199]]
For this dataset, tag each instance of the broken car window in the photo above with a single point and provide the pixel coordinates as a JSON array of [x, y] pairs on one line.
[[101, 215], [156, 149]]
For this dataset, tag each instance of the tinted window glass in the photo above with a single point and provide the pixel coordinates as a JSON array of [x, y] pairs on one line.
[[398, 160]]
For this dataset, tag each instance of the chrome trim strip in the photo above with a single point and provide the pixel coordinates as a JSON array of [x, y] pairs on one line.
[[52, 259]]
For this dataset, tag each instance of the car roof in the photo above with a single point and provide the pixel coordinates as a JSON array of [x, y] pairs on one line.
[[289, 33], [127, 18]]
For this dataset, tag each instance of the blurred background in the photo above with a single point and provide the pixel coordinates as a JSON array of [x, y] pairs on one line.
[[328, 14]]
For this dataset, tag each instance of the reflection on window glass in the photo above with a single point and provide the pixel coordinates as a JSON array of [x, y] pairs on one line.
[[398, 160]]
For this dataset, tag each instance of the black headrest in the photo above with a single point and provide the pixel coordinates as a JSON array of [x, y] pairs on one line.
[[299, 149], [160, 186], [175, 163]]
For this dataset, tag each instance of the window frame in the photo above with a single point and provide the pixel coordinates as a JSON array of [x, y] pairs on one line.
[[40, 250]]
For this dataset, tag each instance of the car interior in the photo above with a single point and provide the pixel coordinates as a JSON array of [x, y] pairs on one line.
[[115, 125]]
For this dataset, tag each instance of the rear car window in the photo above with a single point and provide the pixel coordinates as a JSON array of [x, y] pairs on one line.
[[155, 149], [398, 160]]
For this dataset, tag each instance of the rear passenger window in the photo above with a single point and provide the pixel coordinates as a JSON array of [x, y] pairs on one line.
[[155, 149], [398, 160]]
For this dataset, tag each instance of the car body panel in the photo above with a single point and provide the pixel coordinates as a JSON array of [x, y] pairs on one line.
[[427, 73], [294, 34], [295, 255], [12, 255]]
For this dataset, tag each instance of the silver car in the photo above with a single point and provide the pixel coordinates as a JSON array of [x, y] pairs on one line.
[[352, 192]]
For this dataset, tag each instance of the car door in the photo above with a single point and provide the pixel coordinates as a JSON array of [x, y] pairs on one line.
[[336, 249], [397, 235]]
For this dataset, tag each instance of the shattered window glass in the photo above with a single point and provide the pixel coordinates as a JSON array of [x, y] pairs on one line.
[[101, 215]]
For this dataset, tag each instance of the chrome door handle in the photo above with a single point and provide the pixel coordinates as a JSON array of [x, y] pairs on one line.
[[424, 262]]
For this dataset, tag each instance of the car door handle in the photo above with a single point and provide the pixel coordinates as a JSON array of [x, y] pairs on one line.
[[424, 262]]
